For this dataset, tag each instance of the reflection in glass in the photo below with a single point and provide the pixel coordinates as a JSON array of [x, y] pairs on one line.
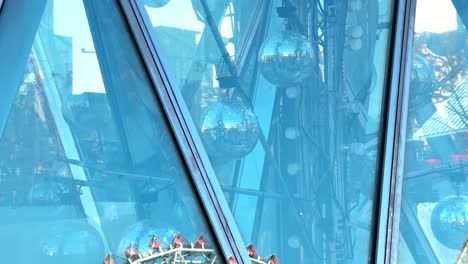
[[229, 130], [89, 171], [434, 213], [286, 58], [312, 74]]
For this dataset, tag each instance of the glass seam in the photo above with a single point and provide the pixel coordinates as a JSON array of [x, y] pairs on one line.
[[391, 161], [195, 157]]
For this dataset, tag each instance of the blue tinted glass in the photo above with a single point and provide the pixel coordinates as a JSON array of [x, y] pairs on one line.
[[88, 166], [434, 213], [287, 99]]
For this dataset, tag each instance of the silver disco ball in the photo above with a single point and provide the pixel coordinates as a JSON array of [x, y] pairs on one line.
[[155, 3], [229, 130], [422, 78], [449, 221], [70, 242], [286, 59], [141, 234]]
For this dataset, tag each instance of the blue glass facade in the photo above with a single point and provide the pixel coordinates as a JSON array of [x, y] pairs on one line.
[[88, 163], [233, 131], [285, 128]]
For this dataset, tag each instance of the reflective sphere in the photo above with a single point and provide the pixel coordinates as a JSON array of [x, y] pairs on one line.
[[356, 31], [286, 59], [141, 233], [356, 44], [71, 242], [203, 98], [449, 221], [229, 130], [294, 241], [156, 3], [422, 76]]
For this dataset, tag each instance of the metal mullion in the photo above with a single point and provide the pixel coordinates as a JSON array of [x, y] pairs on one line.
[[1, 4], [395, 112], [188, 140]]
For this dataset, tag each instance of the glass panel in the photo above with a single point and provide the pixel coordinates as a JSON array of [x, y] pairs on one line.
[[434, 215], [287, 97], [88, 165]]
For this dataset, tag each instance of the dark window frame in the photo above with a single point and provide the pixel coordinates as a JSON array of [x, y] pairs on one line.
[[386, 231]]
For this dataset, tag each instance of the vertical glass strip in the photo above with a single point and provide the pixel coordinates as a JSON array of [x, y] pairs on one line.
[[434, 207]]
